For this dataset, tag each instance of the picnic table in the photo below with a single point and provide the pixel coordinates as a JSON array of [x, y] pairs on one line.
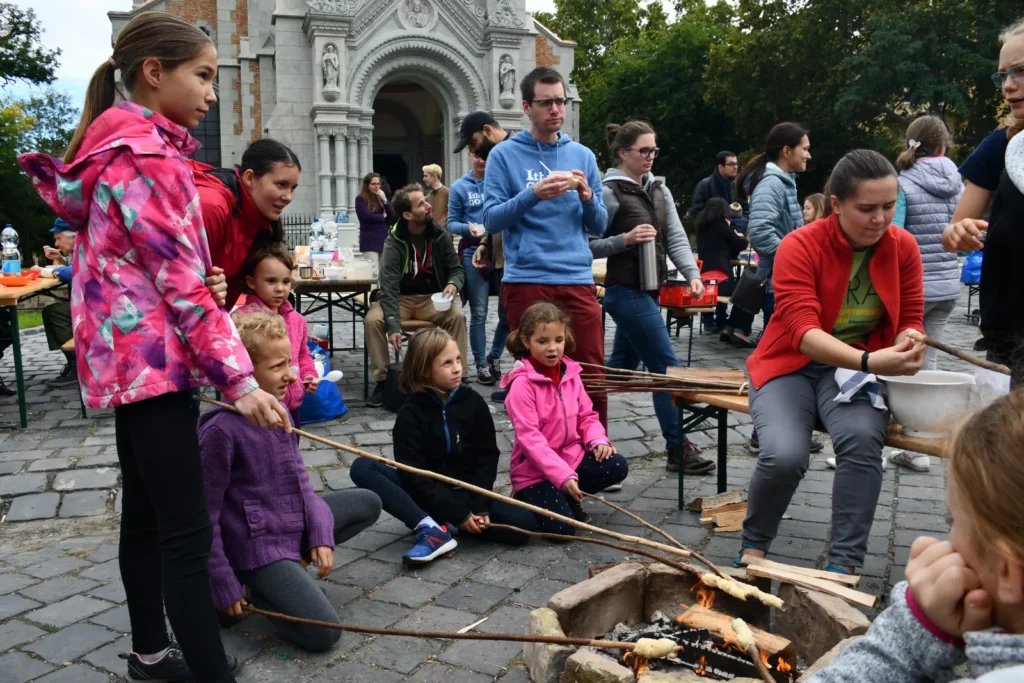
[[10, 297], [702, 406]]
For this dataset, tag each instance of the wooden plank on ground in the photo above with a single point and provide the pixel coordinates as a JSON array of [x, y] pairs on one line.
[[830, 587], [813, 573], [707, 516], [720, 625], [730, 518], [729, 528], [711, 502]]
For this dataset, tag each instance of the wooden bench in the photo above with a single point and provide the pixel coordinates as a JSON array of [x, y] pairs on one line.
[[702, 406], [69, 347]]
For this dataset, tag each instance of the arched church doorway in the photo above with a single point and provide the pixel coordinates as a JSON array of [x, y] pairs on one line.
[[407, 132]]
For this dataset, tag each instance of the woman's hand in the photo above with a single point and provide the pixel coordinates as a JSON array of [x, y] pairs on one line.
[[310, 384], [383, 197], [235, 610], [603, 451], [965, 235], [263, 410], [903, 358], [645, 232], [480, 257], [475, 524], [946, 589], [217, 283], [697, 288], [322, 557], [571, 488]]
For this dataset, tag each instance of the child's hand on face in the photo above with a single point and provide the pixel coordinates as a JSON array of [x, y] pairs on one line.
[[310, 384], [946, 589], [323, 557], [603, 452]]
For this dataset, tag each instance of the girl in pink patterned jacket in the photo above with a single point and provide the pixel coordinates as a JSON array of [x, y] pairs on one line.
[[146, 328]]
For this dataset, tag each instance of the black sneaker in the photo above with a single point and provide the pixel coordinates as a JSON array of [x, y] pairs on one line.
[[577, 510], [7, 391], [691, 459], [494, 367], [499, 396], [171, 667], [816, 446], [67, 377], [755, 445], [376, 399]]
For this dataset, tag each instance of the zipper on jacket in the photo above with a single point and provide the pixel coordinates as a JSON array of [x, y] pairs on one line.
[[565, 417]]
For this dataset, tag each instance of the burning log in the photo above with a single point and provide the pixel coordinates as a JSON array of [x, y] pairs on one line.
[[720, 625]]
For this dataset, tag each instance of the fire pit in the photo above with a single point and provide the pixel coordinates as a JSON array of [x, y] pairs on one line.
[[634, 600]]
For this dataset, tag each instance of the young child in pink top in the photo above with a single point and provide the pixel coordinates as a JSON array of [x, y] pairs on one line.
[[268, 279]]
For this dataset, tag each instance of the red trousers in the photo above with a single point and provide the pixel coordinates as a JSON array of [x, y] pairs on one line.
[[580, 302]]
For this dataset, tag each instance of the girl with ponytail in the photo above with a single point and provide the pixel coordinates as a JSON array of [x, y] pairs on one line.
[[148, 331]]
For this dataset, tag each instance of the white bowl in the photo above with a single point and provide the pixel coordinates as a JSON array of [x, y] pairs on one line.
[[441, 302], [334, 273], [931, 403]]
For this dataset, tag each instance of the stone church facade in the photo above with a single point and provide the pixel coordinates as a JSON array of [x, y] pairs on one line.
[[355, 86]]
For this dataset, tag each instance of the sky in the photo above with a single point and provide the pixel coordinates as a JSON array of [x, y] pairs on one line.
[[81, 29]]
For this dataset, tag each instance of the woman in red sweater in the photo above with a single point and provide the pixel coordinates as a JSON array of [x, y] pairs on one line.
[[243, 205], [848, 289]]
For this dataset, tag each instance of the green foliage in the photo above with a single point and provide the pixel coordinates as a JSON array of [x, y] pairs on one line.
[[22, 55]]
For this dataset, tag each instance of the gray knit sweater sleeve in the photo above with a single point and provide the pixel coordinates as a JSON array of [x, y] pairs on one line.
[[678, 244]]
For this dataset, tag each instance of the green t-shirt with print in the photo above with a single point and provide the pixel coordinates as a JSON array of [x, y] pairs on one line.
[[862, 308]]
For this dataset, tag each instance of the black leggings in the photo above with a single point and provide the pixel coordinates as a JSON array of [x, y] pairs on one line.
[[594, 477], [385, 482], [166, 533]]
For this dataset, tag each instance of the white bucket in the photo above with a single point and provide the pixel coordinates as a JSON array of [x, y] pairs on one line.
[[359, 270], [441, 302]]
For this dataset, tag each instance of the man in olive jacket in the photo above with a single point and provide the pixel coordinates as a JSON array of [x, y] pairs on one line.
[[419, 260]]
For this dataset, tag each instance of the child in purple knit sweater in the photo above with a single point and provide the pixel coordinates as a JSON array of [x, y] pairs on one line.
[[266, 518]]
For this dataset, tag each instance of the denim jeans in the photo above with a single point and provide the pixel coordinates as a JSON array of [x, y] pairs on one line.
[[477, 291], [641, 335], [502, 331]]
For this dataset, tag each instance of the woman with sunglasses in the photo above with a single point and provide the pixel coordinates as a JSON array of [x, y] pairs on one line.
[[640, 209], [995, 170]]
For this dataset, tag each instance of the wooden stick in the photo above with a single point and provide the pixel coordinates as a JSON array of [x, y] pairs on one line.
[[830, 587], [970, 358], [445, 635], [697, 556], [652, 375], [845, 579], [755, 657]]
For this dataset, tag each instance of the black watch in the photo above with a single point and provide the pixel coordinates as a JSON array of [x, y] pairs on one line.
[[864, 362]]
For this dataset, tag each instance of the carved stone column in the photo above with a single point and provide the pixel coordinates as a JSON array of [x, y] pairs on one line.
[[353, 168], [364, 153], [324, 173], [340, 174]]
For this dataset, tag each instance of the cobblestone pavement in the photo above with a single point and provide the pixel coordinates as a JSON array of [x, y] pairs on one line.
[[62, 611]]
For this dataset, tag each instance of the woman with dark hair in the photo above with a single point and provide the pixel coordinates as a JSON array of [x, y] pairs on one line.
[[375, 216], [849, 290], [243, 205], [640, 209], [718, 244]]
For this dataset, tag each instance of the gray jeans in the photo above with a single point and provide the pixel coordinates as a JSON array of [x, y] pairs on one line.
[[936, 313], [285, 586], [785, 411]]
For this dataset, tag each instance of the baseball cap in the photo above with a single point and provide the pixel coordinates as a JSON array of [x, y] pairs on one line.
[[60, 225], [473, 123]]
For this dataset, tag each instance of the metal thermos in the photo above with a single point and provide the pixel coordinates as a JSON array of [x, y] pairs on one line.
[[649, 267]]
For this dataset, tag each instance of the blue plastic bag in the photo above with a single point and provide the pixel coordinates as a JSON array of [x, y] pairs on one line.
[[970, 274], [326, 403]]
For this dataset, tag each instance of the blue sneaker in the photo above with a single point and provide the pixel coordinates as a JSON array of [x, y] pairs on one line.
[[431, 543], [837, 569]]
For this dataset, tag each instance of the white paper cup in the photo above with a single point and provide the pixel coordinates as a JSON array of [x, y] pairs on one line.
[[441, 302]]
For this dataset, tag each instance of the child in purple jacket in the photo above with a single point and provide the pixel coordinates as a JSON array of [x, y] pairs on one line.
[[266, 518]]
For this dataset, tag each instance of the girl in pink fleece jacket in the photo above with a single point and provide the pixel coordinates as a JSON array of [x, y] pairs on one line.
[[561, 448], [268, 277]]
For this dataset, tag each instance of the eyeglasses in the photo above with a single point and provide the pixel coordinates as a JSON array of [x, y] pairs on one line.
[[546, 104], [646, 152], [1015, 72], [732, 163]]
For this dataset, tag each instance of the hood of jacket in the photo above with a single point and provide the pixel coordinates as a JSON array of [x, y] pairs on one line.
[[400, 230], [478, 183], [938, 176], [615, 173], [126, 125], [524, 368], [773, 170]]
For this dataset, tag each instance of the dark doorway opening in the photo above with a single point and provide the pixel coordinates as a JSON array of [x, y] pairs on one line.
[[392, 167]]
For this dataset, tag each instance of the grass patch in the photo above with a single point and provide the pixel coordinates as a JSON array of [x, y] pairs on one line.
[[27, 319]]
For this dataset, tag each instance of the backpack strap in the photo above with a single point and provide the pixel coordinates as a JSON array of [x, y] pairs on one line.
[[229, 178]]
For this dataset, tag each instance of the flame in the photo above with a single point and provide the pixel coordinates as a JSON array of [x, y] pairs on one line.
[[635, 662], [764, 659], [702, 666], [783, 665], [705, 595]]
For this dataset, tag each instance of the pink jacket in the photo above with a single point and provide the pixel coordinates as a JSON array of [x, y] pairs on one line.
[[144, 322], [555, 426], [298, 336]]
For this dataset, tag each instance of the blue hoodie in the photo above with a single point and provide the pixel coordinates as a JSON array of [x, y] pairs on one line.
[[546, 241], [465, 204]]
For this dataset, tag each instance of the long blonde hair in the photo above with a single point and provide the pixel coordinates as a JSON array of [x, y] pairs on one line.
[[417, 370], [151, 35]]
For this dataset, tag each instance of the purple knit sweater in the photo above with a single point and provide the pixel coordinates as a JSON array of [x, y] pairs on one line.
[[259, 497]]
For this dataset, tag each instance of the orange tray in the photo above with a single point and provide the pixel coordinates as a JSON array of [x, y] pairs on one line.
[[26, 277]]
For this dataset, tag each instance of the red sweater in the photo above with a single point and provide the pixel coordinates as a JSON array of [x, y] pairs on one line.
[[230, 228], [811, 278]]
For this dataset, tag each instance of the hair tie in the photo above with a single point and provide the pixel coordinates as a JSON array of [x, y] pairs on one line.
[[112, 62], [913, 144]]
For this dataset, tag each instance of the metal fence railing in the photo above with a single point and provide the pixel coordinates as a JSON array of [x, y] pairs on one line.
[[296, 228]]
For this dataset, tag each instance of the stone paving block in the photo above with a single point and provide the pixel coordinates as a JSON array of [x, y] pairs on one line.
[[70, 643], [107, 551], [68, 611], [49, 464], [354, 672], [11, 467], [340, 595], [445, 571], [436, 618], [17, 484], [631, 449], [25, 559], [923, 522], [536, 554], [396, 653], [113, 592], [371, 613], [374, 439], [537, 593], [16, 632], [904, 538], [79, 479], [17, 667], [365, 573], [923, 493], [106, 657], [570, 571], [115, 619], [506, 574], [622, 430], [370, 540], [99, 460], [440, 673], [338, 479], [55, 567], [35, 506], [75, 673], [924, 507], [875, 565], [490, 657], [60, 442], [14, 604], [474, 552], [240, 645], [58, 589], [407, 591], [473, 597], [103, 572], [84, 504], [319, 459]]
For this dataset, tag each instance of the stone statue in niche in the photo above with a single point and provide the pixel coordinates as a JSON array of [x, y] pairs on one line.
[[417, 13], [507, 75], [330, 66]]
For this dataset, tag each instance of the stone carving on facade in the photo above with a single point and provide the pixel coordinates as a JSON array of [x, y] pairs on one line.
[[505, 16], [332, 6], [506, 81], [479, 12], [330, 67], [418, 13]]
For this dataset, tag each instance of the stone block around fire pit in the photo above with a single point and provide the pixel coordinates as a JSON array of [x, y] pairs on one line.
[[817, 621], [593, 607], [827, 658], [545, 661], [586, 666]]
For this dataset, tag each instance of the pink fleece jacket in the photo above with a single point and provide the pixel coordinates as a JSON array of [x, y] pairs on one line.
[[298, 336], [555, 426]]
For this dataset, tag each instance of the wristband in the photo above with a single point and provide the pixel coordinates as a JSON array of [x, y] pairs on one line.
[[864, 362]]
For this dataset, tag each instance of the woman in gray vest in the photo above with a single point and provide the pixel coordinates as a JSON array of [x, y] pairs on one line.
[[641, 210]]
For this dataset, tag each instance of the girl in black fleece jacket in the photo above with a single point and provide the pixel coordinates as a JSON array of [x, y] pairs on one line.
[[445, 428]]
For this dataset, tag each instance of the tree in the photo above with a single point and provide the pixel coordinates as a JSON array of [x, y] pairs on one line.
[[53, 119], [22, 55]]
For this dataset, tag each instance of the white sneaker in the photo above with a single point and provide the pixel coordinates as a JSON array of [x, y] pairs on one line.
[[831, 462], [918, 463], [614, 487]]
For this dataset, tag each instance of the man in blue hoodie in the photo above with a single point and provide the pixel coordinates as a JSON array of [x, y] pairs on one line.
[[543, 192]]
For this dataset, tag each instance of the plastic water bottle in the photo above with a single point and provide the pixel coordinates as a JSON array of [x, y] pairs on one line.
[[11, 256]]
